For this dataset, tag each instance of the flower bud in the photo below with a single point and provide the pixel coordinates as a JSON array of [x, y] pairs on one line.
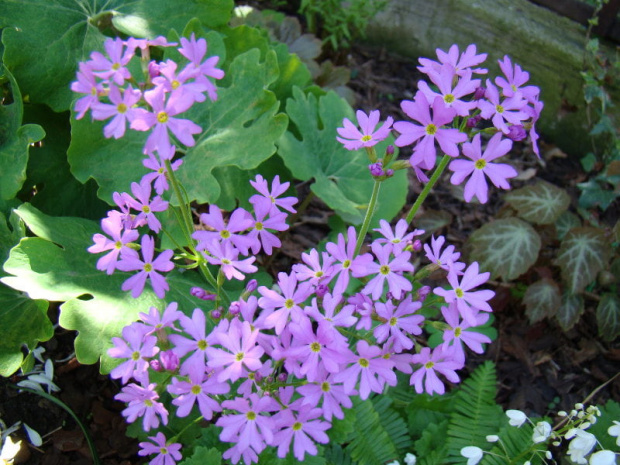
[[516, 132], [321, 290], [282, 377], [153, 69], [198, 292], [376, 169], [251, 285], [423, 292], [155, 365], [389, 173], [473, 121], [234, 308], [216, 314], [169, 360], [479, 93], [492, 438], [416, 245], [258, 377]]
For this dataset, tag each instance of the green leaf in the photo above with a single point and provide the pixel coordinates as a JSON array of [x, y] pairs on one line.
[[341, 179], [541, 203], [239, 129], [203, 456], [23, 321], [56, 266], [608, 316], [542, 300], [43, 53], [583, 253], [432, 220], [506, 247], [57, 192], [570, 310], [565, 222], [610, 412], [15, 140]]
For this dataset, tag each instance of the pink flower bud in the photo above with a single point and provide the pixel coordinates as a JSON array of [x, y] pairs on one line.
[[417, 245], [169, 360], [516, 132]]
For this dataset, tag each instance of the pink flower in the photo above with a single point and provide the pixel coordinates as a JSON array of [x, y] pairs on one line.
[[195, 50], [447, 259], [303, 427], [269, 198], [397, 323], [346, 263], [142, 402], [197, 346], [510, 110], [432, 362], [481, 166], [457, 333], [460, 62], [399, 238], [286, 304], [198, 389], [221, 231], [167, 454], [146, 206], [430, 130], [148, 268], [114, 67], [121, 110], [135, 346], [352, 138], [452, 88], [113, 227], [386, 270], [515, 78], [226, 255], [86, 84]]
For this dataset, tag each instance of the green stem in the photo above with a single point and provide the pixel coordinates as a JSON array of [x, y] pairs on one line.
[[369, 212], [427, 189], [65, 407], [187, 224], [176, 436]]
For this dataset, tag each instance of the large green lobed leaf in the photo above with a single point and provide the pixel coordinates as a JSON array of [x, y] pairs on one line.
[[45, 39], [542, 300], [506, 247], [56, 266], [341, 178], [608, 316], [583, 253], [541, 203]]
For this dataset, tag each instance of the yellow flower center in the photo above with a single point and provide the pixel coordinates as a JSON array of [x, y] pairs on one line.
[[135, 356], [239, 356], [174, 84], [457, 331], [146, 209], [325, 386], [251, 415], [162, 117], [393, 321], [225, 233], [431, 129], [121, 108], [429, 365], [202, 344], [480, 164], [148, 267], [346, 264], [196, 389], [118, 244], [163, 450], [459, 292], [363, 362], [384, 269], [366, 138], [499, 108], [116, 66], [258, 226], [449, 98], [289, 303], [315, 347], [297, 426]]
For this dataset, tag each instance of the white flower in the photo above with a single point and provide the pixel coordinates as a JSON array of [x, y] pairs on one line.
[[472, 453], [9, 450], [395, 462], [410, 459], [603, 457], [517, 417], [614, 430], [492, 438], [542, 430], [581, 445]]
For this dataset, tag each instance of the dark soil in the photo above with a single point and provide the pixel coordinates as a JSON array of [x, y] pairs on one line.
[[540, 368]]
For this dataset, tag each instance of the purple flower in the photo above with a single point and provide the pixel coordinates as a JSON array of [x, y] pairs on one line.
[[167, 454], [352, 138], [332, 315], [332, 394], [399, 239], [398, 323], [198, 389], [270, 197], [195, 50], [86, 84], [196, 328], [121, 110], [260, 234], [156, 321], [447, 259], [136, 346], [460, 62], [286, 304], [346, 263], [457, 333], [303, 428], [161, 120], [148, 268], [467, 301], [142, 402], [515, 78], [240, 221], [480, 166], [114, 67], [112, 226], [242, 354], [389, 271], [159, 172], [225, 255], [432, 362], [510, 110], [179, 84], [430, 130], [145, 205], [451, 88], [370, 368], [313, 270]]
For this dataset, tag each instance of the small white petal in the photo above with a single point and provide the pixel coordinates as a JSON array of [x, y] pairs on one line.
[[472, 453], [33, 436], [410, 459], [603, 457], [517, 417], [9, 450], [492, 438]]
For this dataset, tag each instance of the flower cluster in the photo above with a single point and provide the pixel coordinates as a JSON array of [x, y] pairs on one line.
[[451, 114], [572, 428]]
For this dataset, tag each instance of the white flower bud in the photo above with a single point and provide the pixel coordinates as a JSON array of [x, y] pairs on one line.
[[492, 438], [603, 457], [472, 453], [517, 417], [562, 413]]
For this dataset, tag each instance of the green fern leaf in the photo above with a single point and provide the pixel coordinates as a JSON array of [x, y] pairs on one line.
[[476, 414], [514, 443]]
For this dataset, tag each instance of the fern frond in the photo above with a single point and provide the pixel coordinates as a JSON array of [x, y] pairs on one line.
[[336, 455], [514, 443], [394, 424], [476, 414]]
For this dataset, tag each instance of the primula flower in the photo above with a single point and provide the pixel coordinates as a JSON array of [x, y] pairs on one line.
[[226, 255], [460, 62], [167, 454], [197, 390], [250, 428], [389, 271], [155, 321], [346, 262], [148, 268], [481, 166], [500, 112], [142, 402], [195, 50], [397, 323], [330, 315], [260, 234], [542, 431], [146, 206], [451, 88], [352, 138], [270, 198], [332, 395], [446, 259], [603, 457], [158, 176], [614, 430], [136, 346], [240, 221], [196, 328], [113, 226], [514, 80], [285, 304], [468, 302], [114, 67], [86, 84], [161, 120], [370, 368], [436, 361], [429, 131], [121, 110], [303, 428], [313, 271], [240, 353], [179, 84], [457, 333], [399, 238]]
